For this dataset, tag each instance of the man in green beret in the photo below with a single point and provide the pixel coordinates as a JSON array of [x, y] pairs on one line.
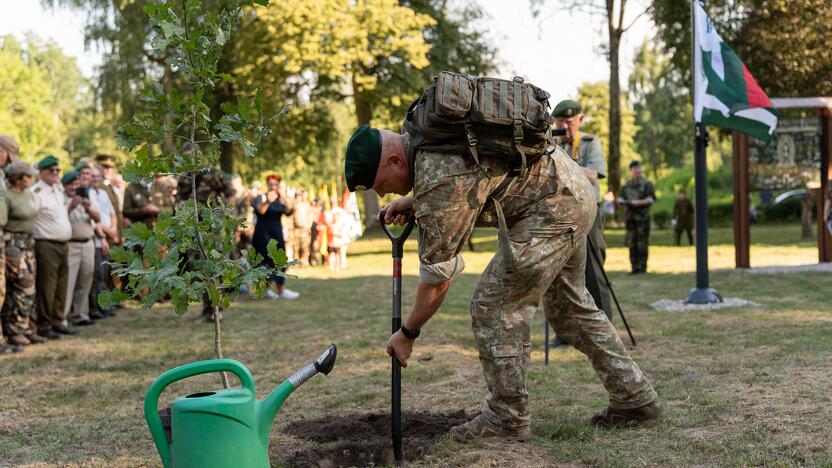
[[637, 195], [585, 149], [52, 233], [544, 217]]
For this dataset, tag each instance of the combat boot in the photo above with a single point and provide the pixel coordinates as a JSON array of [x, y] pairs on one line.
[[34, 338], [614, 417], [480, 428], [19, 340]]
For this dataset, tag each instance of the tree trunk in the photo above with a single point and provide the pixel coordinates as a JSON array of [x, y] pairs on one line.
[[614, 145], [169, 145], [364, 111]]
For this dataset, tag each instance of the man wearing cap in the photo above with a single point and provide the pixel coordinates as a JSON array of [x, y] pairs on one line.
[[83, 213], [106, 164], [547, 214], [52, 232], [637, 195], [585, 149]]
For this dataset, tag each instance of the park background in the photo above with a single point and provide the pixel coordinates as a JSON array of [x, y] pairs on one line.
[[743, 387]]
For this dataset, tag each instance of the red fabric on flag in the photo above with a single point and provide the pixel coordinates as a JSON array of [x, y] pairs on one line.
[[756, 96]]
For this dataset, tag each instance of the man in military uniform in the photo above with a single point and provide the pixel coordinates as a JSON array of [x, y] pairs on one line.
[[138, 204], [545, 216], [52, 233], [585, 149], [637, 196], [212, 186], [8, 146], [682, 218]]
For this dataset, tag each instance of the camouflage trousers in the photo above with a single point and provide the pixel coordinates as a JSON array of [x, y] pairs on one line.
[[3, 280], [549, 251], [19, 308], [637, 239]]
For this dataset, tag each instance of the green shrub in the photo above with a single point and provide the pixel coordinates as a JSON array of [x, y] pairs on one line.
[[662, 219]]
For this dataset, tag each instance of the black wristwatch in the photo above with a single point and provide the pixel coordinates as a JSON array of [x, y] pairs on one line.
[[411, 334]]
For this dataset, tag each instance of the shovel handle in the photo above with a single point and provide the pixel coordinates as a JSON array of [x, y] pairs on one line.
[[398, 241]]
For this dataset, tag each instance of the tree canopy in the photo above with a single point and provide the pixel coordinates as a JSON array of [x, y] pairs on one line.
[[46, 103], [784, 43]]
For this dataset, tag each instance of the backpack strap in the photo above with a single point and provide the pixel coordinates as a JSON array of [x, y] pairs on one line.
[[517, 120]]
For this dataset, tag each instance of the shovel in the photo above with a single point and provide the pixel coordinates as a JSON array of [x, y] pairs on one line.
[[396, 400]]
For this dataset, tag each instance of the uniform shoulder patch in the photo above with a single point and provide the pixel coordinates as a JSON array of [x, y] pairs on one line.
[[37, 190], [587, 137]]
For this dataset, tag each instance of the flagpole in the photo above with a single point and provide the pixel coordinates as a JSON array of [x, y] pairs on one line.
[[702, 293]]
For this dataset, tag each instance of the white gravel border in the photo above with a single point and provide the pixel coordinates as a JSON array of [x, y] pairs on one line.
[[679, 305], [774, 270]]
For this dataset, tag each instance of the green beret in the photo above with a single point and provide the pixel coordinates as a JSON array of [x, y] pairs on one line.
[[82, 165], [69, 177], [635, 163], [47, 162], [362, 159], [567, 108]]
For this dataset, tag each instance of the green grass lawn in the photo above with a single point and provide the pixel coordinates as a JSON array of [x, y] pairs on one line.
[[741, 387]]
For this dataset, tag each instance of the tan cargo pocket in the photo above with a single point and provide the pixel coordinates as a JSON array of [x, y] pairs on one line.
[[506, 350], [454, 94]]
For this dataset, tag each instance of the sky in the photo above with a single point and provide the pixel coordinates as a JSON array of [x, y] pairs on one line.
[[556, 52]]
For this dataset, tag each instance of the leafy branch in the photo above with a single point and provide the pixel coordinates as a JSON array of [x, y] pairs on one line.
[[190, 253]]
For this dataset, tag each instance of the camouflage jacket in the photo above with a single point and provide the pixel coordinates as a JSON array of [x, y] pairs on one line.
[[210, 185], [638, 189], [451, 196]]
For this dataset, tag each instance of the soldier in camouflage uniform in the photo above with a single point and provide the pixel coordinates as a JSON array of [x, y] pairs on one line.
[[637, 195], [212, 187], [18, 311], [585, 149], [548, 213]]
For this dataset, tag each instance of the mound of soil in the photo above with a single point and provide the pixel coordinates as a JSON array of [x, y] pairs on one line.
[[364, 439]]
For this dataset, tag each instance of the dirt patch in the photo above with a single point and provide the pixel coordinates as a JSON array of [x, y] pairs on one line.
[[364, 439]]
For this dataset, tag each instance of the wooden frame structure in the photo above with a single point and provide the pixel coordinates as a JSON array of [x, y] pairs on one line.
[[742, 220]]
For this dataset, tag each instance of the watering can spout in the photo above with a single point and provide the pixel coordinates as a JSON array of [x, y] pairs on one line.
[[271, 405]]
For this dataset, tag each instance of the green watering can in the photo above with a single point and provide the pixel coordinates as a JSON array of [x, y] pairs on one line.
[[222, 428]]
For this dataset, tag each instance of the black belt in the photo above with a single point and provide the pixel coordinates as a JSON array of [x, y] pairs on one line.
[[77, 241], [51, 241]]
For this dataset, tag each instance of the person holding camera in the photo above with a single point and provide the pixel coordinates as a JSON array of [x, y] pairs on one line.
[[83, 213]]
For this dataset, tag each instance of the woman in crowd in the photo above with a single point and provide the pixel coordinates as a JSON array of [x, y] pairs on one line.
[[269, 208], [19, 307]]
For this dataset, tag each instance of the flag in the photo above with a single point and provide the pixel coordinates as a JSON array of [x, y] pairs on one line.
[[725, 93]]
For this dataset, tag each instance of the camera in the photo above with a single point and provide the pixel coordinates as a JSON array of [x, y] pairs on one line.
[[83, 192], [558, 132]]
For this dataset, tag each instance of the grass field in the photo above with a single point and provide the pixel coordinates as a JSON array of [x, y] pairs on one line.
[[743, 387]]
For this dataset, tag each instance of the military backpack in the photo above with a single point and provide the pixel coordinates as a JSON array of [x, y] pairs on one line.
[[509, 119]]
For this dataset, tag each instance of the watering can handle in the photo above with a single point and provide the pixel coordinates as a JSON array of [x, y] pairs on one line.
[[151, 401]]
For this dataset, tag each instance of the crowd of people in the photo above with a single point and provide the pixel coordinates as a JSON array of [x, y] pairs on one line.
[[58, 229]]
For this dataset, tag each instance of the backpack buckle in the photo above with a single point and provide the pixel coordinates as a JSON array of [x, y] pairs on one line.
[[472, 137], [518, 132]]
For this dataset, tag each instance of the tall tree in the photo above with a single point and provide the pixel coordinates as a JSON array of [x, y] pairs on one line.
[[595, 100], [45, 98], [367, 50], [662, 109], [613, 13]]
